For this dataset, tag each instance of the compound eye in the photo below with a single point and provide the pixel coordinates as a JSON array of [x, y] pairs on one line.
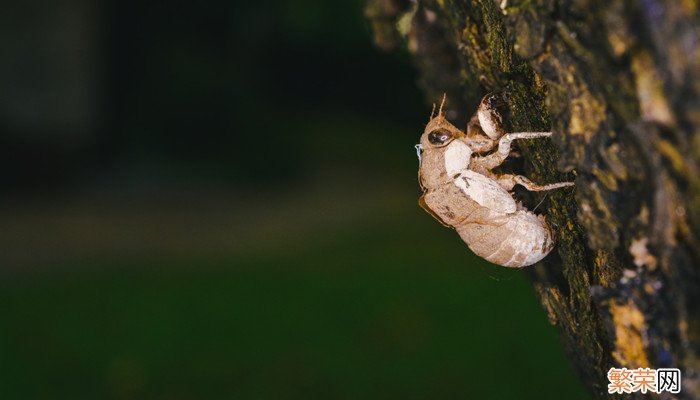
[[439, 137]]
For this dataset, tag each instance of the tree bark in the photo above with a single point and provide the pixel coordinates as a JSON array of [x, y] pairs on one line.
[[617, 83]]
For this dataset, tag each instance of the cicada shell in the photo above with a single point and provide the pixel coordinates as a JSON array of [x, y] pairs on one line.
[[461, 191]]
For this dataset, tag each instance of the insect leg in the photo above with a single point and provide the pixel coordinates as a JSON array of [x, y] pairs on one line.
[[496, 158], [490, 118], [507, 181]]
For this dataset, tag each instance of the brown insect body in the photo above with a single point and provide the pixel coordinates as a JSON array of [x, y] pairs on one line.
[[461, 191]]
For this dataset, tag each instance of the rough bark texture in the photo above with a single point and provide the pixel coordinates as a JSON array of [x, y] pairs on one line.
[[617, 82]]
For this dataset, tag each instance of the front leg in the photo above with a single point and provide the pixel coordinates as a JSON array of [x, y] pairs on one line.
[[507, 181], [496, 158], [476, 138], [490, 118]]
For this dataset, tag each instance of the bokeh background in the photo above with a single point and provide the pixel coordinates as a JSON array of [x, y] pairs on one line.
[[217, 199]]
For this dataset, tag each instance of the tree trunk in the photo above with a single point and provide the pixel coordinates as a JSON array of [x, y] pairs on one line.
[[617, 83]]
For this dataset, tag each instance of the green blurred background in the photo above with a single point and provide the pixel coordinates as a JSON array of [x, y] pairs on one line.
[[218, 199]]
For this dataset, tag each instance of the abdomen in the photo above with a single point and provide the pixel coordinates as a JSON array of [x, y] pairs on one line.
[[513, 240]]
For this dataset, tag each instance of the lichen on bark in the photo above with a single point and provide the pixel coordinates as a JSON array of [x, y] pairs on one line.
[[617, 82]]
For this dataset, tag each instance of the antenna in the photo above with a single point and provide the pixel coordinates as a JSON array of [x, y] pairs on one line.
[[444, 96]]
